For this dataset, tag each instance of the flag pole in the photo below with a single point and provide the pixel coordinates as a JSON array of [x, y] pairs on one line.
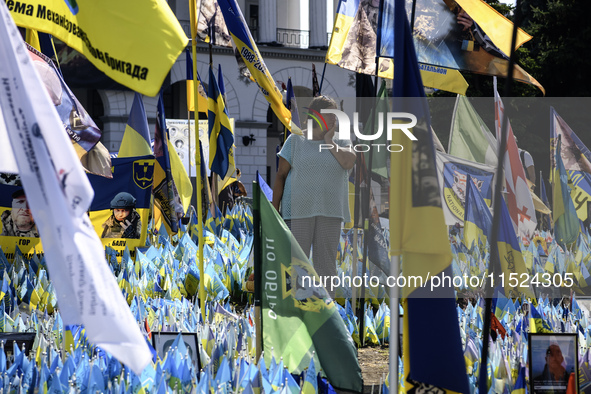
[[355, 262], [494, 251], [192, 11], [366, 205], [395, 259], [394, 329], [322, 79], [256, 218]]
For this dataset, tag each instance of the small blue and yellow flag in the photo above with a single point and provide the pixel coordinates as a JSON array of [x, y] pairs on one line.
[[512, 262], [477, 218], [537, 323], [520, 385]]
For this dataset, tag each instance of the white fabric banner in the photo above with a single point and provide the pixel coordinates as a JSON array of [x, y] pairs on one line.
[[7, 161], [59, 195]]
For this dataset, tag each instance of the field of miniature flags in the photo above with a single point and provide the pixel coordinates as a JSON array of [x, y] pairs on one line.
[[160, 286]]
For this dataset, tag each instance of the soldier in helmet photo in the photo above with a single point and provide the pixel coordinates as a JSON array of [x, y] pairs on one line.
[[18, 221], [125, 222]]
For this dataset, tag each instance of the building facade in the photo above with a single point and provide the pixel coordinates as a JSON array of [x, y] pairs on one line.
[[292, 35]]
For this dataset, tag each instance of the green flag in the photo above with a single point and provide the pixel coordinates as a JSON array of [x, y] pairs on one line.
[[469, 137], [298, 317]]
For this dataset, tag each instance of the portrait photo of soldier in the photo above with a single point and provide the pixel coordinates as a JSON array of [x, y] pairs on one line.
[[125, 221], [18, 221]]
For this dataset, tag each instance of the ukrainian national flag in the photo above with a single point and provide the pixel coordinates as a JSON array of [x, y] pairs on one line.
[[431, 357], [213, 223], [566, 221], [537, 322], [136, 138], [510, 256], [181, 179], [221, 133], [477, 218], [254, 61], [520, 385]]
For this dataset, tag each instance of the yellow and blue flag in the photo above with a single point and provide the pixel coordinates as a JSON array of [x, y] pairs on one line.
[[136, 138], [576, 159], [181, 179], [353, 46], [102, 32], [201, 101], [483, 49], [310, 385], [249, 51], [164, 199], [566, 222], [221, 133], [221, 84], [520, 384], [510, 256], [477, 218], [431, 357], [537, 322]]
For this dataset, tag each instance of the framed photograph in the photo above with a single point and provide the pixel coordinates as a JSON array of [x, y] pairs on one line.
[[553, 358], [162, 341]]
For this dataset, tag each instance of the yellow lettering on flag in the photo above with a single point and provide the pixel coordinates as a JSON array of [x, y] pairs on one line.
[[443, 79]]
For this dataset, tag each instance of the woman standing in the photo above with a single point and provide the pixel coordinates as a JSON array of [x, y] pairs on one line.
[[312, 187]]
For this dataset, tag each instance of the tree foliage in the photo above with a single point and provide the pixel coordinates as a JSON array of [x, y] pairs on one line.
[[558, 54]]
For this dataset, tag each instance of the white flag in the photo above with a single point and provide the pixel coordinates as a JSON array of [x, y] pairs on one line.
[[59, 195], [519, 200], [7, 161]]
